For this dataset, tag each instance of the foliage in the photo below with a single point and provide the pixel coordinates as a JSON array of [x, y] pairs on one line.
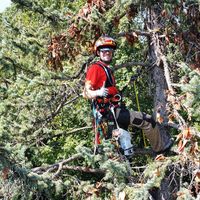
[[44, 50], [190, 88]]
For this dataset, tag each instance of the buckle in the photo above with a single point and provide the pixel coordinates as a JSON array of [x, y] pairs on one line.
[[116, 98]]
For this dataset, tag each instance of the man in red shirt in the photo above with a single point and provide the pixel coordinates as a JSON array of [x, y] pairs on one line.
[[101, 88]]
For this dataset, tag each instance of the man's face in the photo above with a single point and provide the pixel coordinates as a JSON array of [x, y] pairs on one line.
[[106, 54]]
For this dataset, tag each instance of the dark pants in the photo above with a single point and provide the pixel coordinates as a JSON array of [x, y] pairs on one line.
[[158, 141]]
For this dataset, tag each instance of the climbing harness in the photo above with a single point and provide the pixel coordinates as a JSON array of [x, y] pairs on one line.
[[109, 81], [123, 135]]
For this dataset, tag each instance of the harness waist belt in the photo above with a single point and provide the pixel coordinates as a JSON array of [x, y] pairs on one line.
[[105, 100]]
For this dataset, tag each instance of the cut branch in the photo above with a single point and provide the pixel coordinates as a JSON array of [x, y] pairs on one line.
[[166, 72], [58, 167], [84, 169], [50, 168]]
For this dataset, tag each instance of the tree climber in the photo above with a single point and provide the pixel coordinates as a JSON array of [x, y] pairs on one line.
[[101, 88]]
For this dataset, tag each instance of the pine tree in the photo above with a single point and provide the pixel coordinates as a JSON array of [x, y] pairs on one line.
[[45, 48]]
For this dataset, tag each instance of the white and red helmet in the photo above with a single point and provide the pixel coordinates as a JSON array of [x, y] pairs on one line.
[[103, 42]]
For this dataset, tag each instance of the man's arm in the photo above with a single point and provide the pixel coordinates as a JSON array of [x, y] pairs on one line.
[[89, 93]]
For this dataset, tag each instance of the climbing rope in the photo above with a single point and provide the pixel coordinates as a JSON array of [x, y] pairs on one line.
[[133, 80], [97, 128], [138, 107]]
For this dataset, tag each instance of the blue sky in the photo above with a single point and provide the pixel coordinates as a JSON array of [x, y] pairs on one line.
[[4, 4]]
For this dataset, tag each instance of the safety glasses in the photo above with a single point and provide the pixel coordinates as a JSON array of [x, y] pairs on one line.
[[105, 50]]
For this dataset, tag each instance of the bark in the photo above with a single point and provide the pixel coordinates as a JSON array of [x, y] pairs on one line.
[[166, 191], [159, 73]]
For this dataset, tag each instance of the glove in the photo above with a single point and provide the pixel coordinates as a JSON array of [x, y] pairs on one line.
[[88, 93], [102, 92]]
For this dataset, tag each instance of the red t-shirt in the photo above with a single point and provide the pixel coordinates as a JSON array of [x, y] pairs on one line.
[[96, 76]]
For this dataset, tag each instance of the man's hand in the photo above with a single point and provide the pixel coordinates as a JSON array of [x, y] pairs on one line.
[[102, 92], [91, 94]]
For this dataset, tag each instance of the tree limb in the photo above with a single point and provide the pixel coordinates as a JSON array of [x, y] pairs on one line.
[[131, 64], [62, 165], [84, 169], [50, 168], [84, 65], [19, 66], [65, 133], [57, 110], [137, 32], [166, 72]]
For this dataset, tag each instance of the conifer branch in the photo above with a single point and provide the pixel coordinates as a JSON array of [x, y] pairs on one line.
[[44, 139], [53, 114], [8, 162], [77, 75], [33, 6], [84, 66], [59, 107], [19, 66], [59, 166]]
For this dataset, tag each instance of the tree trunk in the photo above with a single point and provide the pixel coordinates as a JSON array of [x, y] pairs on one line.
[[159, 72]]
